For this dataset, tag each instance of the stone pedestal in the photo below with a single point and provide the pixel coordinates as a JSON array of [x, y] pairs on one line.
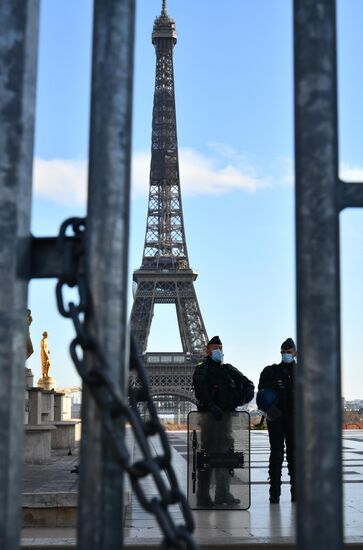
[[26, 408], [35, 406], [29, 378], [47, 407], [47, 383], [64, 437], [62, 407], [38, 444]]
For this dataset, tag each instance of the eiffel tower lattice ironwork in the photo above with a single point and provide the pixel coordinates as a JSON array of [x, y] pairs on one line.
[[165, 276]]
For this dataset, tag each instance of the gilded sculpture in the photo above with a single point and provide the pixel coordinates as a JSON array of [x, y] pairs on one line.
[[45, 355], [30, 349]]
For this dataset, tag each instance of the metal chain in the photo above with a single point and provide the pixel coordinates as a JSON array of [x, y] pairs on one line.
[[113, 405]]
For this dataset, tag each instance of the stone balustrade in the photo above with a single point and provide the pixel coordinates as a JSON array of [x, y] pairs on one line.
[[48, 424]]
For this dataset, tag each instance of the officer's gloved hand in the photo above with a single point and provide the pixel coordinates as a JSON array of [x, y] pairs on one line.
[[216, 412]]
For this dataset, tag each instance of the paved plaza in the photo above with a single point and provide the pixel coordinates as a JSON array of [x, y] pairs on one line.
[[262, 525]]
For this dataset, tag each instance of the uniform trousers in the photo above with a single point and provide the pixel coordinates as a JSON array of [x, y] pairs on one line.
[[216, 437], [281, 435]]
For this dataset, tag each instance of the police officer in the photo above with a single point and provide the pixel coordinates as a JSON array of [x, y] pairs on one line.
[[280, 378], [219, 389]]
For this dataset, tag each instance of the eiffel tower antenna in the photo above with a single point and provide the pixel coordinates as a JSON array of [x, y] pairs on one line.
[[165, 276]]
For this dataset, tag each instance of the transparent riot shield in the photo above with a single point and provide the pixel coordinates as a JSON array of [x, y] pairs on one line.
[[219, 461]]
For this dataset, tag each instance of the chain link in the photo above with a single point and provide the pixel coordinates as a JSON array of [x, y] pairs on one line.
[[113, 405]]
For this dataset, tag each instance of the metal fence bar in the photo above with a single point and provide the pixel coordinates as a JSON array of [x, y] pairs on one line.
[[319, 453], [351, 194], [18, 50], [46, 260], [101, 483]]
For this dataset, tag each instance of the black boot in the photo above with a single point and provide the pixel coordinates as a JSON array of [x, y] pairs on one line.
[[203, 497], [204, 501], [227, 499], [275, 490], [275, 477], [223, 495]]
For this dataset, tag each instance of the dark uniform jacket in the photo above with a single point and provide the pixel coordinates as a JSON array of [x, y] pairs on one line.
[[281, 379], [222, 385]]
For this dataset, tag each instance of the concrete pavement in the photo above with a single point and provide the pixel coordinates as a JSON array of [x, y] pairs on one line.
[[262, 525]]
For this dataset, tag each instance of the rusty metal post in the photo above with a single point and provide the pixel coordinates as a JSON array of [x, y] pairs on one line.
[[101, 483], [319, 452], [18, 52]]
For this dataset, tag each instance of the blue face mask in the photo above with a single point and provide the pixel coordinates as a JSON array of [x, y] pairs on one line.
[[217, 355], [287, 357]]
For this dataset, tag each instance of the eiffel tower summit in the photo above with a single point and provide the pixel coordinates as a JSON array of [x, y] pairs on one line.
[[165, 276]]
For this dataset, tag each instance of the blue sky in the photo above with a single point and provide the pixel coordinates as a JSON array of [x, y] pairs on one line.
[[234, 98]]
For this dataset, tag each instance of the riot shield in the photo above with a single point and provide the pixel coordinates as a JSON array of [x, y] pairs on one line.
[[219, 461]]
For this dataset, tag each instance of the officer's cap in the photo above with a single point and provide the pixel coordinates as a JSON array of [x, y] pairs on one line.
[[215, 340], [289, 343]]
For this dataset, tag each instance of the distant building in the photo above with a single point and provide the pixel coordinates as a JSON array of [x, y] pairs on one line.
[[354, 405], [75, 393]]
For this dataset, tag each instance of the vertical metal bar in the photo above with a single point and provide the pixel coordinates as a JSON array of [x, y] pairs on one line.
[[101, 483], [319, 460], [18, 52]]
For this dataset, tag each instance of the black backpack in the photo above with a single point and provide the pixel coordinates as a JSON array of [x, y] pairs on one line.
[[247, 390]]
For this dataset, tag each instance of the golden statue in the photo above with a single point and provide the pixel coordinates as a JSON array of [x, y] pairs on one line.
[[45, 355], [29, 347]]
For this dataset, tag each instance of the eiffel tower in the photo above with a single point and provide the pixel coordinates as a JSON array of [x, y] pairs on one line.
[[165, 276]]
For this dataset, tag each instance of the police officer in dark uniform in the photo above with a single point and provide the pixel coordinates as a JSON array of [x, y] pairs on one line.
[[280, 378], [219, 389]]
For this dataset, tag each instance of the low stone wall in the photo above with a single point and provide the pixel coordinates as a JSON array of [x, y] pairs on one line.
[[49, 509]]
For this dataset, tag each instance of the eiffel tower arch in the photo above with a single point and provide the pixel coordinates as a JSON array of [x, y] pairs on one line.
[[165, 276]]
